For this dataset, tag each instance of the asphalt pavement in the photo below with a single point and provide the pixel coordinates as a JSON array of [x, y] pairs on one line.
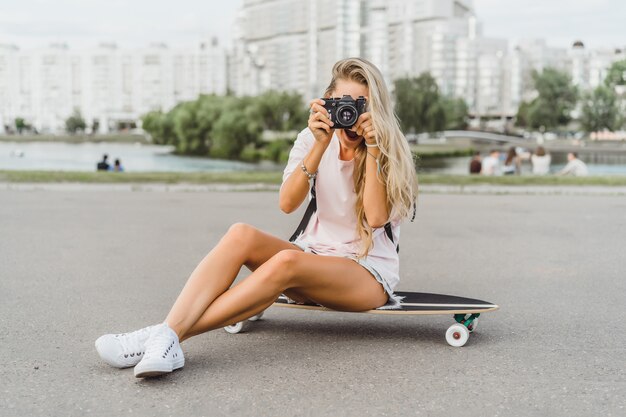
[[75, 264]]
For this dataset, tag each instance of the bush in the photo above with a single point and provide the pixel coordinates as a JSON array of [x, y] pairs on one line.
[[278, 150], [160, 127], [251, 154], [227, 126], [75, 123]]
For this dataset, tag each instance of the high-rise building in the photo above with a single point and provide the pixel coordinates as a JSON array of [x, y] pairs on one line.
[[9, 85], [106, 84], [292, 45], [586, 68], [423, 36]]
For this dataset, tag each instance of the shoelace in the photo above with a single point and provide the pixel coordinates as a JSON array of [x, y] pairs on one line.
[[159, 344], [133, 343]]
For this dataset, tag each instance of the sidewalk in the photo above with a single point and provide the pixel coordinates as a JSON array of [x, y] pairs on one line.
[[426, 188]]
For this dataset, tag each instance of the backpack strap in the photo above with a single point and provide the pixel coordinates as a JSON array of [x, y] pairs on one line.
[[311, 208], [389, 232]]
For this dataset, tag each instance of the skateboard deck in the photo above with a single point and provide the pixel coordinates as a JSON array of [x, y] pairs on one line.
[[415, 303], [464, 310]]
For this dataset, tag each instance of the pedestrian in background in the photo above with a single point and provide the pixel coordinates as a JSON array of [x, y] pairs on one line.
[[103, 165], [118, 166], [575, 167], [541, 161], [512, 163], [491, 164], [475, 164]]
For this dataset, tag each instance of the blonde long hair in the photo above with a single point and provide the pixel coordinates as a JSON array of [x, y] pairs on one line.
[[397, 167]]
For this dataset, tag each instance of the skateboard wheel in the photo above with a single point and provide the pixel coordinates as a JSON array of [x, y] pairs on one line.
[[472, 327], [257, 317], [236, 328], [457, 335]]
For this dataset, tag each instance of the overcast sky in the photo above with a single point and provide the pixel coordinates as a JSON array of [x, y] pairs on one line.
[[598, 23], [135, 23]]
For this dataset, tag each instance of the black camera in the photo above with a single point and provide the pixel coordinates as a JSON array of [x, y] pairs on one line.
[[345, 111]]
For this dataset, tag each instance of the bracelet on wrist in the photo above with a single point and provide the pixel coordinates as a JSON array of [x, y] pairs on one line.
[[377, 162], [306, 172], [371, 145]]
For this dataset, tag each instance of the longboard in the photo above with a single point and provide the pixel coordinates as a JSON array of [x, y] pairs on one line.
[[465, 310]]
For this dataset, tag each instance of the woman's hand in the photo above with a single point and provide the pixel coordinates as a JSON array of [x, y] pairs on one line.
[[364, 127], [319, 123]]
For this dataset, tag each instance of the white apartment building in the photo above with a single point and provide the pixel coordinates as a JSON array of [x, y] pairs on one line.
[[106, 83], [292, 45], [9, 84], [423, 36], [587, 68]]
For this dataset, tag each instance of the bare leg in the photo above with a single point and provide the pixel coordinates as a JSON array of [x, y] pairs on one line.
[[334, 282], [242, 245]]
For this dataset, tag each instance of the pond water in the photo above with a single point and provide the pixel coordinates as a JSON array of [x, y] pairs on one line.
[[598, 164], [138, 157], [134, 158]]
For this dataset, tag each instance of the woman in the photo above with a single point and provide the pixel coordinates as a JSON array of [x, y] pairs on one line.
[[541, 161], [344, 260], [118, 166], [512, 163], [476, 164]]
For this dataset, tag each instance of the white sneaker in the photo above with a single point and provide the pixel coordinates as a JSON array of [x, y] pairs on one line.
[[163, 353], [125, 349]]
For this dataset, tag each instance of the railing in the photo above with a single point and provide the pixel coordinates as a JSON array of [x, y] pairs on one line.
[[485, 136]]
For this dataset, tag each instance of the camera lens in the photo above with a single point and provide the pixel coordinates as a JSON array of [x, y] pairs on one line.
[[347, 115]]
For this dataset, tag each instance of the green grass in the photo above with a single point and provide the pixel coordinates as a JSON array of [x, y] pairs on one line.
[[549, 180], [274, 177], [241, 177], [441, 151], [113, 138]]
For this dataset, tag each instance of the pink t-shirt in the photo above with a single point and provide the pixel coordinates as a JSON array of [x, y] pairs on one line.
[[332, 228]]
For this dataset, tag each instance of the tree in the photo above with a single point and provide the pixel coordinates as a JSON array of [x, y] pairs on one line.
[[191, 134], [21, 125], [235, 129], [521, 119], [95, 126], [418, 104], [616, 77], [75, 123], [616, 74], [600, 110], [223, 126], [555, 102], [280, 111], [456, 113], [160, 127]]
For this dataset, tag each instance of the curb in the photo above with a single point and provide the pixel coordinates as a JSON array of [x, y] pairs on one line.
[[427, 188]]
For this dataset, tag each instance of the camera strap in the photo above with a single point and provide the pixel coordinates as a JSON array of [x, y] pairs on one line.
[[312, 208]]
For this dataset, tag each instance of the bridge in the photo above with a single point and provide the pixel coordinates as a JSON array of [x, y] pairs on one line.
[[487, 137], [555, 145]]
